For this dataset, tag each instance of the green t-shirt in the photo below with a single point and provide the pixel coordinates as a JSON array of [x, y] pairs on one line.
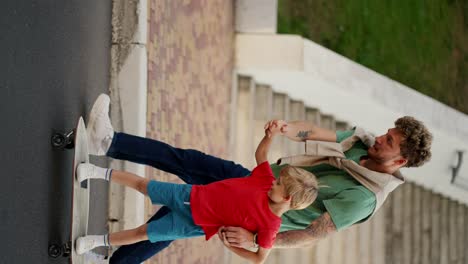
[[345, 199]]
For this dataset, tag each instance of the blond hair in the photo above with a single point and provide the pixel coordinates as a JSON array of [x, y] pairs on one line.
[[300, 185], [416, 143]]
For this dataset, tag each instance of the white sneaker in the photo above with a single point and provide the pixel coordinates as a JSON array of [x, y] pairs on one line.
[[84, 244], [99, 129], [86, 171]]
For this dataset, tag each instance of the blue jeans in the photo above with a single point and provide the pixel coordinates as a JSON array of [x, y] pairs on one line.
[[192, 166]]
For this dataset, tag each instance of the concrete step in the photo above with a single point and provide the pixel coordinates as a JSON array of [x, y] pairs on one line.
[[257, 16], [313, 115], [280, 111], [444, 231], [426, 211], [416, 223], [435, 228], [423, 227], [465, 237], [297, 111], [263, 112], [461, 232], [341, 125], [351, 245], [245, 122], [327, 121], [453, 250], [407, 219]]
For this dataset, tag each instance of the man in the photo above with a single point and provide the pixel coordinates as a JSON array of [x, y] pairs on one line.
[[343, 202]]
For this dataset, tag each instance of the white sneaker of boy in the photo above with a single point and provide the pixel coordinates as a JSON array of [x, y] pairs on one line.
[[99, 129], [86, 171], [84, 244]]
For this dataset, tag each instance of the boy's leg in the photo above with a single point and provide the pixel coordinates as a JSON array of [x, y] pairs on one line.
[[130, 180], [141, 251], [165, 226], [163, 193], [192, 166], [162, 230], [126, 237], [160, 193], [130, 236], [89, 171]]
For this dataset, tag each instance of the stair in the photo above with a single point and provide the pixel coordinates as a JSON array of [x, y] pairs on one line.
[[424, 227], [244, 141], [413, 226]]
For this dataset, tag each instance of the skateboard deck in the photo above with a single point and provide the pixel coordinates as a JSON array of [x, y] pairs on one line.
[[80, 200], [77, 140]]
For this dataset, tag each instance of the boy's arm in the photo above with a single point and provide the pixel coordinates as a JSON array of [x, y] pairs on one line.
[[261, 155], [254, 257], [302, 131]]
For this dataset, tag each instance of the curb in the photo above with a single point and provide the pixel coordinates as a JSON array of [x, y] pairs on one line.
[[128, 93]]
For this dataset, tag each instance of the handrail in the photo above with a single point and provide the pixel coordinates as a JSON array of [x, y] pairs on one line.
[[456, 169]]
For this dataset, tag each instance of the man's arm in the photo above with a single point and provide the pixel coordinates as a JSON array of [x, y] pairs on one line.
[[318, 229], [302, 131]]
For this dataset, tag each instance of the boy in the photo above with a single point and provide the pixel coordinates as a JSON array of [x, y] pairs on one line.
[[255, 203]]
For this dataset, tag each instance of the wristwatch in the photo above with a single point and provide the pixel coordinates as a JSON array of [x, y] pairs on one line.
[[255, 241]]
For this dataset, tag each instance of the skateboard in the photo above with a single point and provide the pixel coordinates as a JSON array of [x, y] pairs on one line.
[[77, 140]]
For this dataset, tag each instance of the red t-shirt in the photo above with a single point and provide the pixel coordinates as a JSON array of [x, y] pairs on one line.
[[239, 202]]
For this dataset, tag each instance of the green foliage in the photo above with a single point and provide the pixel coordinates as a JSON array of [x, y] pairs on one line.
[[422, 44]]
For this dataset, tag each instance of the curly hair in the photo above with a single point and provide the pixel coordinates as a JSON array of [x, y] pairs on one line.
[[416, 143]]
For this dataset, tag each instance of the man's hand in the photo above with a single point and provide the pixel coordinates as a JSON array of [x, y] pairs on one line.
[[274, 127], [237, 236], [254, 257], [222, 236]]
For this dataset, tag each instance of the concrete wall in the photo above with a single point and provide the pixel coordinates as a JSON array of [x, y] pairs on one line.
[[269, 51], [256, 16]]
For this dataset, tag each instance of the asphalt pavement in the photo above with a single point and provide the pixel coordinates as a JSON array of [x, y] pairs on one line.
[[55, 59]]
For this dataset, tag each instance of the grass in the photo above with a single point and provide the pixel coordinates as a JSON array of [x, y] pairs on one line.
[[422, 44]]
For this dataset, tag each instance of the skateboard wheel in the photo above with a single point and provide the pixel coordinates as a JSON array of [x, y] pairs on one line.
[[55, 251], [62, 141], [59, 141]]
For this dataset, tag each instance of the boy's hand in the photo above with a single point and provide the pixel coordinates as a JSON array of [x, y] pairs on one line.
[[275, 127]]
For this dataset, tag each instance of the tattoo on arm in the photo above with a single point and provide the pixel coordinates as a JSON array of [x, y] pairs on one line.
[[303, 135], [318, 229]]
